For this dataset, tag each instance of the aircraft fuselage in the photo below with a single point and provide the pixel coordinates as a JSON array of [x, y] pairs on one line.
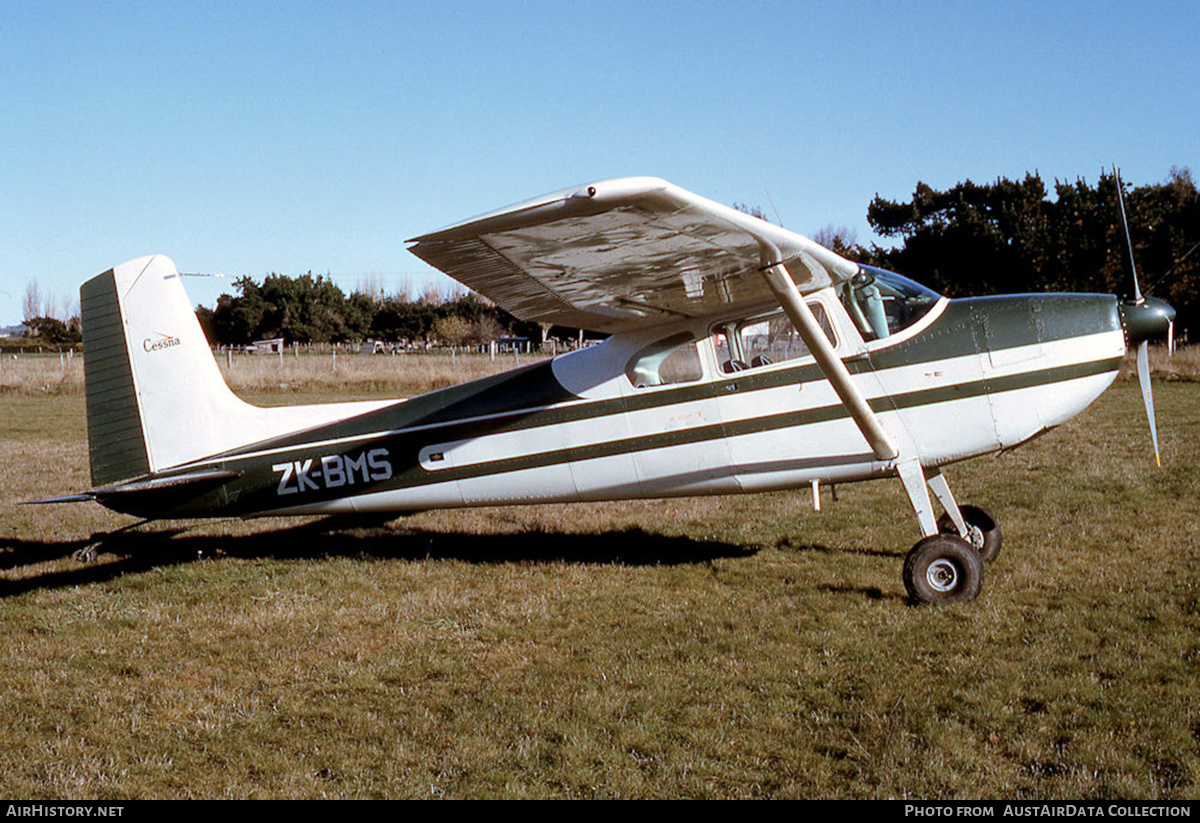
[[971, 377]]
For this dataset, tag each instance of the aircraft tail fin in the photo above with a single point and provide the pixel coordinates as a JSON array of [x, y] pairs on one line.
[[155, 397]]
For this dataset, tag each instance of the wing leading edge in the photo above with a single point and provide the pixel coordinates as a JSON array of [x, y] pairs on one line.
[[623, 254]]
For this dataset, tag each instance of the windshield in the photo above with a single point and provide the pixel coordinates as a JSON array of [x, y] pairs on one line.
[[882, 303]]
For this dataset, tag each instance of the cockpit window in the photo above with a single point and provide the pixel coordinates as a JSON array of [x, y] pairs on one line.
[[882, 303]]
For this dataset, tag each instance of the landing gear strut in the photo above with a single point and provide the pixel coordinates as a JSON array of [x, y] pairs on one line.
[[983, 530], [946, 566]]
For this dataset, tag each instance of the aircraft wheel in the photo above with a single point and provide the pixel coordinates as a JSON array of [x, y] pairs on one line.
[[943, 568], [983, 530]]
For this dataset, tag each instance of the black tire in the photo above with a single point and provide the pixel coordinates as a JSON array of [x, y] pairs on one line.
[[986, 540], [943, 568]]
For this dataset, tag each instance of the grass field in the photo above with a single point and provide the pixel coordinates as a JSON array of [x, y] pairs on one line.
[[707, 647]]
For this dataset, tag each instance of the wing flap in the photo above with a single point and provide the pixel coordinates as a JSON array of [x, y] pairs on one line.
[[622, 254]]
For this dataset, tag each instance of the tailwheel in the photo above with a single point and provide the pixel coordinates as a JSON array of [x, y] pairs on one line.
[[983, 530], [943, 568]]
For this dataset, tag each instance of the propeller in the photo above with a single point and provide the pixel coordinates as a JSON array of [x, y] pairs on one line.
[[1143, 318]]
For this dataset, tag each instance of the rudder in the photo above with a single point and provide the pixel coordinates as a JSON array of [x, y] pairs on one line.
[[116, 441]]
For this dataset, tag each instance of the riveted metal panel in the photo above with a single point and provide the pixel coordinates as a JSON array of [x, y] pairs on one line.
[[116, 441]]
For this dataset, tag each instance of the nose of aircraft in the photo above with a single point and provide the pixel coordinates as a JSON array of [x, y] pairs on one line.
[[1142, 319], [1145, 319]]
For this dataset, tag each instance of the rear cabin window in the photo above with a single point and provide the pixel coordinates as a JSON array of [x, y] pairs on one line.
[[764, 340], [666, 362]]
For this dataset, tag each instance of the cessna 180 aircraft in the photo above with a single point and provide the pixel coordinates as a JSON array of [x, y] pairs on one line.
[[742, 357]]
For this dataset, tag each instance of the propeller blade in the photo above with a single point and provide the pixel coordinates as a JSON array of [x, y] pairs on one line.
[[1143, 372], [1137, 292], [1143, 318]]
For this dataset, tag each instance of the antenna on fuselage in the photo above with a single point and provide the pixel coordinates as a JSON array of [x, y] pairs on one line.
[[771, 200]]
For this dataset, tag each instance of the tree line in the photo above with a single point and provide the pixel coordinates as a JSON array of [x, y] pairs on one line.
[[308, 309], [1004, 237], [1011, 236]]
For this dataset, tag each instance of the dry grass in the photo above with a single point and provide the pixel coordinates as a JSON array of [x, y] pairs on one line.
[[41, 373], [400, 375], [1182, 365], [702, 647], [391, 375]]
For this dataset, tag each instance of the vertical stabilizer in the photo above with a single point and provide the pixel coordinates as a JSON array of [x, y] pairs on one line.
[[155, 397]]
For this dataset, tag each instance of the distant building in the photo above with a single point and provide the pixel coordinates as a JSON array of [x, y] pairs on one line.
[[18, 330], [517, 344], [272, 346]]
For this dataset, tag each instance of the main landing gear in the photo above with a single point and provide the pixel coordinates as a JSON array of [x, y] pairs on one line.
[[983, 530], [943, 568], [946, 565]]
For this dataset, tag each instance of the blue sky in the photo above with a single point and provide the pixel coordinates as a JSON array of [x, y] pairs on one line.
[[250, 137]]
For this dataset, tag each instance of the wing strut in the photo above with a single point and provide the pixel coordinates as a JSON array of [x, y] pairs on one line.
[[911, 472], [784, 289]]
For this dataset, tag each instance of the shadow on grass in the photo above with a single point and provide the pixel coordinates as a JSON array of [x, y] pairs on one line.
[[137, 551], [869, 592], [787, 544]]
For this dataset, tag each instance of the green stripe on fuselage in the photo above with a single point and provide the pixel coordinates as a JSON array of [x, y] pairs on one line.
[[257, 488], [531, 397]]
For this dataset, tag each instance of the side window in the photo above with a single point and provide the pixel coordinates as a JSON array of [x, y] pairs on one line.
[[669, 361], [764, 340]]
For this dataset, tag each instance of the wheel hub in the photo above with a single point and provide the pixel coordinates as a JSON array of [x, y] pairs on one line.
[[942, 575], [975, 537]]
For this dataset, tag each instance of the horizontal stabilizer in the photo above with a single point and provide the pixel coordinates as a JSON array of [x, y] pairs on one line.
[[155, 484], [144, 486], [70, 498]]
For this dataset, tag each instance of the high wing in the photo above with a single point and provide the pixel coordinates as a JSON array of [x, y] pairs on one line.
[[623, 254]]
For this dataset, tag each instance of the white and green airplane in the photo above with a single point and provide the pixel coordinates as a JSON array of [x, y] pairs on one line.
[[741, 358]]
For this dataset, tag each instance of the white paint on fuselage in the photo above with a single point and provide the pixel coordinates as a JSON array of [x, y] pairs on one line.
[[777, 457]]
